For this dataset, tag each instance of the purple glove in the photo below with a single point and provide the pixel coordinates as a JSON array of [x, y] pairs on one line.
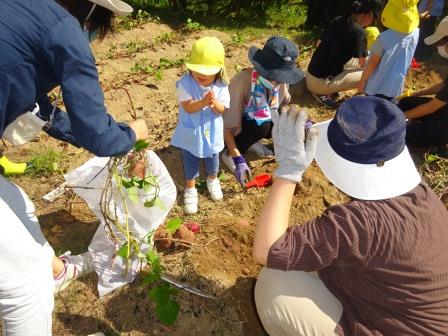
[[242, 171]]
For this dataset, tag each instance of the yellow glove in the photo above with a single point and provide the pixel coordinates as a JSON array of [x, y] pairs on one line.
[[11, 168]]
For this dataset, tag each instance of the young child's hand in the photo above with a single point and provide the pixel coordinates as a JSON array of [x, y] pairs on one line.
[[208, 98]]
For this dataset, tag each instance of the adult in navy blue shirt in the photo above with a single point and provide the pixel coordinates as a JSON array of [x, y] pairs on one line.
[[45, 44]]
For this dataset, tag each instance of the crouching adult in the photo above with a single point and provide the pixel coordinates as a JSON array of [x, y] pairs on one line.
[[254, 94], [381, 260], [45, 44]]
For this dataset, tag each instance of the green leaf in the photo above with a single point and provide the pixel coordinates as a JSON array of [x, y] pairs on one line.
[[147, 186], [126, 183], [133, 194], [154, 260], [140, 145], [223, 177], [150, 278], [432, 158], [149, 204], [151, 256], [150, 179], [158, 203], [168, 312], [159, 75], [161, 294], [123, 252], [136, 181], [173, 225]]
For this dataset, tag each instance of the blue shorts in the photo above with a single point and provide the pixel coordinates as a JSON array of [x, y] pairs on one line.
[[191, 165]]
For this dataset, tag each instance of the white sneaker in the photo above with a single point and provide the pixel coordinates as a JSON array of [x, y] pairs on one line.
[[214, 188], [74, 267], [261, 150], [190, 201], [228, 161]]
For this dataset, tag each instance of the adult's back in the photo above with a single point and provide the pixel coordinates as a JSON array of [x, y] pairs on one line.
[[387, 263], [42, 46], [341, 41]]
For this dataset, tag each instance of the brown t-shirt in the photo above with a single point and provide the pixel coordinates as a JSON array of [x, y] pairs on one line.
[[240, 88], [386, 261]]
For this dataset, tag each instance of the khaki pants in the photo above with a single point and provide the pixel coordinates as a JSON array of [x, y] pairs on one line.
[[346, 80], [296, 303]]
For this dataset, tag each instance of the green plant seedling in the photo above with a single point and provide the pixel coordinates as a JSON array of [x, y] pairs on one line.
[[44, 164], [173, 225], [192, 26], [135, 46]]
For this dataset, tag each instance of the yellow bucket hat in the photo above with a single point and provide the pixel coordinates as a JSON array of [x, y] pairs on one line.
[[207, 57], [401, 15], [372, 34]]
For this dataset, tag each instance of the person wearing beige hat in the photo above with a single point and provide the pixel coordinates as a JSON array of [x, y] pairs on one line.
[[391, 54], [427, 109], [45, 44]]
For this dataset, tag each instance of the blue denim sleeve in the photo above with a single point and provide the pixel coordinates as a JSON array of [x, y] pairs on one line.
[[60, 127], [87, 123]]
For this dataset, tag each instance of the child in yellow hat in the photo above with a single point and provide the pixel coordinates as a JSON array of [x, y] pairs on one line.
[[203, 95], [392, 53], [372, 34]]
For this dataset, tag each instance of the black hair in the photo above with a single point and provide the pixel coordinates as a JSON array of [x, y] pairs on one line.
[[100, 20], [365, 7]]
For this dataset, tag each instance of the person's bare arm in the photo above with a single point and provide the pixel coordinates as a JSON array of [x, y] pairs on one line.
[[273, 220], [372, 64], [229, 139], [429, 91], [362, 62], [217, 107], [294, 155], [425, 109], [191, 106]]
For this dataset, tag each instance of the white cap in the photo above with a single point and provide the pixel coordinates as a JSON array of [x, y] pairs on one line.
[[440, 33], [118, 7]]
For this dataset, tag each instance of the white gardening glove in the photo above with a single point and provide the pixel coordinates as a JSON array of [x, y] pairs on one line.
[[292, 152]]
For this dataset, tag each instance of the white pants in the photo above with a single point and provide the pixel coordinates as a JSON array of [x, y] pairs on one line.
[[26, 278], [296, 303]]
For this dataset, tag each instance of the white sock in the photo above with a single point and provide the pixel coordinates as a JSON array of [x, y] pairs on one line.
[[190, 190]]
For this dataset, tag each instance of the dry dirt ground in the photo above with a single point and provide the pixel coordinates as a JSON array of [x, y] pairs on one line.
[[219, 262]]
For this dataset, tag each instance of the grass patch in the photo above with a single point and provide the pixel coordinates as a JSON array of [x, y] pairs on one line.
[[44, 164], [253, 20], [434, 171], [146, 67]]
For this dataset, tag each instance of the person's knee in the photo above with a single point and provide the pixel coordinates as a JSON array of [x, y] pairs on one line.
[[272, 295], [297, 303]]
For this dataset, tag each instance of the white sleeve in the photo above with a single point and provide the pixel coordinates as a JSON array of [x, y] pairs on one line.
[[224, 97], [182, 94]]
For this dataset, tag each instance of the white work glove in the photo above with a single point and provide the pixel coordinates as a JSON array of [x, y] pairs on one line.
[[292, 152]]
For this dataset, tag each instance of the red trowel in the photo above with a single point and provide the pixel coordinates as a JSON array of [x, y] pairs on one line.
[[259, 181]]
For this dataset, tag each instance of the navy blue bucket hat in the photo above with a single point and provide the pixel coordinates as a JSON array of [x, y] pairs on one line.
[[362, 150], [277, 60]]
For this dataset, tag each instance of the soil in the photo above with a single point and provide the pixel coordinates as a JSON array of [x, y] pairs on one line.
[[219, 262]]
